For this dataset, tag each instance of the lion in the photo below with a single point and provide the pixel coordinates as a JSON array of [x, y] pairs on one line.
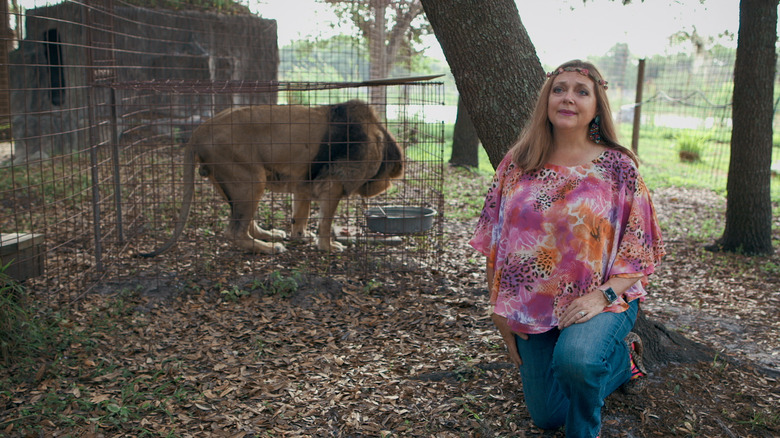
[[320, 154]]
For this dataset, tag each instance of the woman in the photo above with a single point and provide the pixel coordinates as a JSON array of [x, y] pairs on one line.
[[570, 236]]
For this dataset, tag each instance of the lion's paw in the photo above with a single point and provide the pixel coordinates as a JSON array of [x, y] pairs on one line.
[[279, 248], [261, 234], [278, 234], [306, 236], [330, 246]]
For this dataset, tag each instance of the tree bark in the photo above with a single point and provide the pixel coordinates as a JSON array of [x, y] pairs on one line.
[[749, 209], [662, 345], [465, 141], [495, 65], [378, 68], [384, 44]]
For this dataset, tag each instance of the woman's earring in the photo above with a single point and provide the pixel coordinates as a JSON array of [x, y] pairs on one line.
[[595, 134]]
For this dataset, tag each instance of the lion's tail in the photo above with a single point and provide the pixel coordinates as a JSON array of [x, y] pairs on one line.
[[189, 189]]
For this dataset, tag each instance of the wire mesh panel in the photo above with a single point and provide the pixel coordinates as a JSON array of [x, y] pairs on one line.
[[47, 173], [684, 111], [102, 96], [283, 163], [105, 96], [689, 101]]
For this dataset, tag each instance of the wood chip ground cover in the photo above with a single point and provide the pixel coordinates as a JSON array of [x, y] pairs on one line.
[[411, 354]]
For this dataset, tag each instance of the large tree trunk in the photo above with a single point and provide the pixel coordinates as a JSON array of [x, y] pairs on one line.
[[749, 209], [465, 141], [494, 63], [662, 345]]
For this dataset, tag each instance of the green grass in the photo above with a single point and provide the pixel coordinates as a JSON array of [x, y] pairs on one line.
[[691, 145], [31, 333], [660, 164], [22, 336], [46, 347]]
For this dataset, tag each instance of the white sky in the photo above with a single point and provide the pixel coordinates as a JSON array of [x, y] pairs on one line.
[[560, 29]]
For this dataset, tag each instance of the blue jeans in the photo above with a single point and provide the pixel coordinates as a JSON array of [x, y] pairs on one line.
[[567, 374]]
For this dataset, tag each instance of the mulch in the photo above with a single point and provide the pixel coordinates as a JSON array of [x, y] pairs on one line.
[[393, 354]]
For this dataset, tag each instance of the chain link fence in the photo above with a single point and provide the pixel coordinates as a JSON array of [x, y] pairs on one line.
[[682, 131], [103, 95], [98, 99]]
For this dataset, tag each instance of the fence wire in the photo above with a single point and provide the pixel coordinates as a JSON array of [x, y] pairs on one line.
[[104, 95], [99, 97], [685, 110]]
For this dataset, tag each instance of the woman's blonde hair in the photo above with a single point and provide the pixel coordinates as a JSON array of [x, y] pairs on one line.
[[533, 148]]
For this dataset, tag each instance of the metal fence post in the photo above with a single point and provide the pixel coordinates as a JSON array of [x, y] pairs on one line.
[[116, 165], [640, 79]]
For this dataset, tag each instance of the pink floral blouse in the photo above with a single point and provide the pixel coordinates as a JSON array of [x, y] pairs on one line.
[[555, 234]]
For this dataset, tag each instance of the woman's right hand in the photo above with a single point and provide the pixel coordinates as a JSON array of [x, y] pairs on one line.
[[509, 337]]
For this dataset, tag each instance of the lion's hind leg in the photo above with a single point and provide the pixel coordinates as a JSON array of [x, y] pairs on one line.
[[258, 232]]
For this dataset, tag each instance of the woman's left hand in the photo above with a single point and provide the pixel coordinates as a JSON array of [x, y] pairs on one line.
[[583, 309]]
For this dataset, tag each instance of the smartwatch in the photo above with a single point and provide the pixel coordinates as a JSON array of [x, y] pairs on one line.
[[610, 295]]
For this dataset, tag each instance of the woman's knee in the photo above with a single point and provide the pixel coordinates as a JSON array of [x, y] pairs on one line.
[[578, 365]]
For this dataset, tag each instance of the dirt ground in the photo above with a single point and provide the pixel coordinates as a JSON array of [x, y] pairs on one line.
[[402, 354]]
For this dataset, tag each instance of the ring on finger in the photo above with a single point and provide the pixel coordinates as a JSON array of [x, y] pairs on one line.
[[582, 313]]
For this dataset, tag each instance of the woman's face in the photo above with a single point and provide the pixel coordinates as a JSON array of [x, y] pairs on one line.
[[571, 104]]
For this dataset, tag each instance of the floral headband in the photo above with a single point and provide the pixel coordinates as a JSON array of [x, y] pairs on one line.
[[582, 71]]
